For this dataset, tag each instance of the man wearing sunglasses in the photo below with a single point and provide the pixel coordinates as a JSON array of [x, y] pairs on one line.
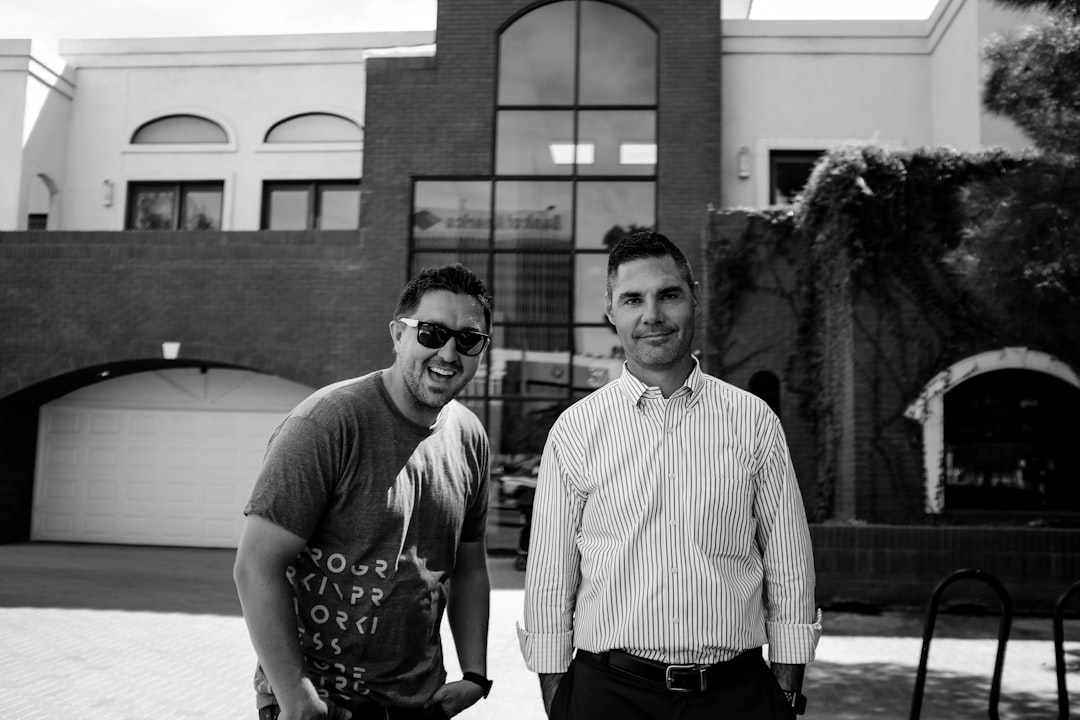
[[372, 496]]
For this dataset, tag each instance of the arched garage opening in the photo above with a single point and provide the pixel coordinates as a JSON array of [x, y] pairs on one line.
[[164, 457]]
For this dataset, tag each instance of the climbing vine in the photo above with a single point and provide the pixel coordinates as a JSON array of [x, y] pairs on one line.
[[924, 256]]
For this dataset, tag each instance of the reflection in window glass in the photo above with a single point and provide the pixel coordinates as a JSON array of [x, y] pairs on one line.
[[311, 205], [524, 139], [288, 209], [610, 130], [590, 284], [533, 214], [175, 206], [598, 347], [202, 209], [618, 57], [449, 213], [478, 262], [571, 153], [608, 211], [534, 288], [152, 209], [338, 208], [536, 58]]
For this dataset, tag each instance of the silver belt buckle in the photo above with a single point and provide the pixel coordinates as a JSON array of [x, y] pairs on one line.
[[701, 677]]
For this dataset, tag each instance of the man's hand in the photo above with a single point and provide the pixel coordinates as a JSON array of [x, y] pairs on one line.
[[309, 706], [549, 685], [453, 697]]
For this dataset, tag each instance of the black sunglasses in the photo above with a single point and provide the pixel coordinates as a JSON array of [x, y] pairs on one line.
[[430, 335]]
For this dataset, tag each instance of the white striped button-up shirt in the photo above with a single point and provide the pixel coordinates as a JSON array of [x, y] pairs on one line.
[[672, 529]]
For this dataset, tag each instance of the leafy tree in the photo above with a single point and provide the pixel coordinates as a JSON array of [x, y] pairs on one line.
[[1034, 76]]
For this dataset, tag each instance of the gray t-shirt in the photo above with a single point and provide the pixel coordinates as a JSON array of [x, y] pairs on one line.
[[384, 503]]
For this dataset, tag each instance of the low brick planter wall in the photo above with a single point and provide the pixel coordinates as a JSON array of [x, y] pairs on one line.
[[896, 566]]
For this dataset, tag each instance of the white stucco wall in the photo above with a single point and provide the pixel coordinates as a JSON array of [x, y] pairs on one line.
[[812, 85], [14, 67], [244, 84], [815, 85]]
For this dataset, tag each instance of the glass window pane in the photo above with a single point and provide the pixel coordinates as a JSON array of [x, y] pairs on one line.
[[315, 127], [288, 208], [518, 430], [339, 208], [536, 58], [534, 288], [590, 284], [202, 209], [153, 209], [533, 214], [618, 57], [451, 214], [607, 211], [528, 142], [180, 129], [599, 350], [610, 131], [478, 262]]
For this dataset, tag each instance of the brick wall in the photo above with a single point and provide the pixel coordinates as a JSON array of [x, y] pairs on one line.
[[892, 566], [435, 116], [309, 307]]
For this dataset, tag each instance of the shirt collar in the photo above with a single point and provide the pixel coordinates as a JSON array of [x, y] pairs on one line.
[[637, 391]]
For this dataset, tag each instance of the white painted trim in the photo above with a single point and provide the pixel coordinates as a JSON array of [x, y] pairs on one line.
[[929, 407]]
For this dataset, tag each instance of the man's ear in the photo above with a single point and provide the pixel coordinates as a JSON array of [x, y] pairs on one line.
[[396, 329], [695, 291], [607, 308]]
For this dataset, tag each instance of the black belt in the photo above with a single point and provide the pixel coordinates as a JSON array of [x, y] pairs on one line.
[[676, 678]]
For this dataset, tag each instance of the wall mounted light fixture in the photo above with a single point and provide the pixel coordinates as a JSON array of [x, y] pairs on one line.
[[743, 163], [170, 350], [107, 193]]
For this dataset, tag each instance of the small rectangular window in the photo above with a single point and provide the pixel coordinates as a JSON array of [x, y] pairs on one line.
[[788, 172], [311, 205], [37, 221], [175, 205]]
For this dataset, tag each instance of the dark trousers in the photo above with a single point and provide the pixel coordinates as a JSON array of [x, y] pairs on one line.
[[371, 711], [591, 690]]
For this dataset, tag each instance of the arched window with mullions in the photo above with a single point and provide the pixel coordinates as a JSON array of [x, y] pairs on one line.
[[574, 172]]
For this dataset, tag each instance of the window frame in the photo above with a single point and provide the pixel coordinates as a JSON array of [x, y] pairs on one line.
[[314, 190], [181, 188]]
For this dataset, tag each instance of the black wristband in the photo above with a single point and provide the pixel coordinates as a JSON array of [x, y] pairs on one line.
[[478, 679], [796, 700]]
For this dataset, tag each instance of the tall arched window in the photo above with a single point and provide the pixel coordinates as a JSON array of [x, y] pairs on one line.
[[574, 171]]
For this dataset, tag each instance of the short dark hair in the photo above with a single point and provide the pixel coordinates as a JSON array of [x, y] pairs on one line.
[[647, 244], [455, 278]]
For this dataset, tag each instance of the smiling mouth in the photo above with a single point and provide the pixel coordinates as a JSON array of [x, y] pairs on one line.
[[441, 373]]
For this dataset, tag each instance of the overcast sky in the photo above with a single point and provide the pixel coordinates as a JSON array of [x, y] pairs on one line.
[[20, 19]]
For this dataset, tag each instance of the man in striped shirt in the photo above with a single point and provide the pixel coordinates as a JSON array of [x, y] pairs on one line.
[[669, 539]]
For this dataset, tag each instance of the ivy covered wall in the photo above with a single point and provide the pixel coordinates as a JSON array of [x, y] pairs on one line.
[[892, 266]]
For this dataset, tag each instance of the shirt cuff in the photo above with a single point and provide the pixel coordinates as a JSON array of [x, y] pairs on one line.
[[793, 644], [546, 652]]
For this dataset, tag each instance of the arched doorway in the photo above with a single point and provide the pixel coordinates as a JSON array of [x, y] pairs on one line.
[[1010, 443], [997, 431]]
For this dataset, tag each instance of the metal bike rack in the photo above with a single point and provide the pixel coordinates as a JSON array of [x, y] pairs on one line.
[[1003, 637], [1059, 648]]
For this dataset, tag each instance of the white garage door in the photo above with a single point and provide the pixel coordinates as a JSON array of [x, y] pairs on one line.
[[155, 458]]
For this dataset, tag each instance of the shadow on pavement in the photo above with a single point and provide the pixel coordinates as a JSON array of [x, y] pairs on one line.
[[140, 578], [878, 690]]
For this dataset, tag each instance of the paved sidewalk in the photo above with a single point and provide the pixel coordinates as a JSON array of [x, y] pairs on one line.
[[133, 633]]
